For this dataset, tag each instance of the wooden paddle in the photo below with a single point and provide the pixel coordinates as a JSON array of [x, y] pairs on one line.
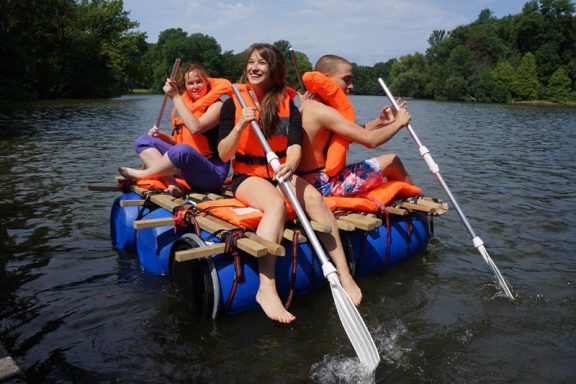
[[295, 64], [476, 240], [349, 317], [172, 77]]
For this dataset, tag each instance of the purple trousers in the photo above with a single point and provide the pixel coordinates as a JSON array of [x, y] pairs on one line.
[[200, 173]]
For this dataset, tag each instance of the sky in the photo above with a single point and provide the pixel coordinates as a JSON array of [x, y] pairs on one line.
[[363, 31]]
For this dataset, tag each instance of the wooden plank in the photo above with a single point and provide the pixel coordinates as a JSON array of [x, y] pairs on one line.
[[214, 196], [152, 223], [417, 207], [289, 235], [396, 211], [319, 227], [368, 219], [272, 247], [199, 252], [131, 203], [104, 187], [359, 223], [249, 246], [252, 247], [345, 226], [429, 202], [212, 224]]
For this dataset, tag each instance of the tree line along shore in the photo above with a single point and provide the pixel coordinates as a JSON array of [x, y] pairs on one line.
[[90, 49]]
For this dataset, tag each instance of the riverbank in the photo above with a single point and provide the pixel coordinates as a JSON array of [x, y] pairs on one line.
[[142, 91], [543, 103]]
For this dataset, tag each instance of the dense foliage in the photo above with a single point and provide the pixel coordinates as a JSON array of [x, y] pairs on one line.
[[67, 48], [87, 48], [527, 56]]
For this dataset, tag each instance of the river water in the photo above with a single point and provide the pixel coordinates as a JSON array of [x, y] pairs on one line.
[[73, 310]]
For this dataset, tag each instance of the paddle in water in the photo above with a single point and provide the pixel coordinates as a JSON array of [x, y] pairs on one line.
[[349, 316], [476, 240]]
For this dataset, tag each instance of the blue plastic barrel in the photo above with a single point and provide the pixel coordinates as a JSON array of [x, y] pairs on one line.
[[122, 232], [153, 245]]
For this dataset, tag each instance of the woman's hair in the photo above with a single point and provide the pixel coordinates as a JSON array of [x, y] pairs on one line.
[[193, 67], [269, 118]]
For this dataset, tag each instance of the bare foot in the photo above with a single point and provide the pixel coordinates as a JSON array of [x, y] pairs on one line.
[[129, 173], [272, 306], [351, 288], [174, 190]]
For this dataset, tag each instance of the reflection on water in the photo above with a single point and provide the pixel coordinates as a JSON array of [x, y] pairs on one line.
[[74, 310]]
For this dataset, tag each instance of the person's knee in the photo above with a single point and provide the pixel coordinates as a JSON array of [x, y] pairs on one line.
[[314, 200], [276, 205]]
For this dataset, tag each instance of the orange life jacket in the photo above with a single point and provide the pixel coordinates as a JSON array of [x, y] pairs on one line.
[[236, 212], [372, 200], [332, 95], [352, 203], [156, 184], [389, 190], [250, 158], [181, 135]]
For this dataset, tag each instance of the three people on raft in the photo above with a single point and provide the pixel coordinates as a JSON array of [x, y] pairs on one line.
[[311, 142]]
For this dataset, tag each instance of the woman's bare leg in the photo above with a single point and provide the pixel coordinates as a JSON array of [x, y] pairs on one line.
[[149, 156], [162, 168], [262, 195], [317, 210]]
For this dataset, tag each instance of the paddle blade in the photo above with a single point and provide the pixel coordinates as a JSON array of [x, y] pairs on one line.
[[494, 268], [354, 325]]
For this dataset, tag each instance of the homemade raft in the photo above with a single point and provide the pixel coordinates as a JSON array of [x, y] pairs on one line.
[[213, 263]]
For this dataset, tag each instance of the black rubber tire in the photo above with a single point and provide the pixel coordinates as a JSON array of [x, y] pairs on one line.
[[192, 280]]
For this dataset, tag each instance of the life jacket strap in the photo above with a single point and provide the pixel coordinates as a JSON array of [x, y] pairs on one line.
[[256, 160]]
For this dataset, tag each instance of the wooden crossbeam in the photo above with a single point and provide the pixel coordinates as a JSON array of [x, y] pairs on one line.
[[199, 252], [396, 211], [345, 226], [417, 207], [437, 205], [131, 203], [104, 187], [361, 222], [318, 227]]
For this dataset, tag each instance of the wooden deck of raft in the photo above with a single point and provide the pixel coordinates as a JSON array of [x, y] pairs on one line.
[[251, 243]]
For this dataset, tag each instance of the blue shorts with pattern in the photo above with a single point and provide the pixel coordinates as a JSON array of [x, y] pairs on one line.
[[352, 179]]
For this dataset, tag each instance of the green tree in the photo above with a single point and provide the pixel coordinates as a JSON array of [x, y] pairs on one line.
[[410, 76], [232, 65], [302, 63], [525, 85], [174, 43], [66, 48], [456, 87], [503, 79], [559, 86]]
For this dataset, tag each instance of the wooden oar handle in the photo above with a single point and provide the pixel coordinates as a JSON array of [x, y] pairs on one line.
[[172, 76]]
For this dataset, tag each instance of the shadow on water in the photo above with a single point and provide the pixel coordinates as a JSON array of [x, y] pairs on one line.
[[75, 310]]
